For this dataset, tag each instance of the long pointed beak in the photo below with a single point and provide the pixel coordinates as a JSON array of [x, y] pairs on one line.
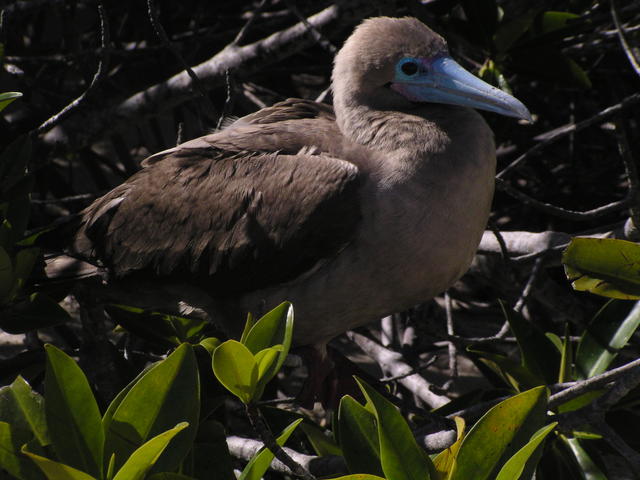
[[445, 81]]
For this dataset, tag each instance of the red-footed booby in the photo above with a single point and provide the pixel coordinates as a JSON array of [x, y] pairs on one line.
[[351, 213]]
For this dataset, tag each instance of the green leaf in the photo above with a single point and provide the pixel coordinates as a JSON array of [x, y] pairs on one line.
[[72, 414], [322, 443], [580, 401], [445, 461], [359, 437], [359, 476], [210, 344], [24, 262], [235, 367], [6, 274], [482, 16], [400, 456], [210, 457], [258, 465], [170, 476], [552, 21], [566, 358], [499, 434], [13, 163], [539, 356], [165, 395], [509, 32], [266, 359], [8, 97], [36, 311], [510, 370], [146, 456], [248, 325], [24, 409], [57, 471], [22, 420], [169, 330], [11, 458], [515, 465], [589, 469], [608, 332], [274, 328], [604, 266]]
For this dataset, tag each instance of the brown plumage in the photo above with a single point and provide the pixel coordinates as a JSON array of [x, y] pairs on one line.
[[350, 215]]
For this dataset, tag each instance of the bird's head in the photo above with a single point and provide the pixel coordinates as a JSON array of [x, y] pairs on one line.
[[394, 62]]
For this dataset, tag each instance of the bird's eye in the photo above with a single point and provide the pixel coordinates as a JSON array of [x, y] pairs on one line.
[[409, 68]]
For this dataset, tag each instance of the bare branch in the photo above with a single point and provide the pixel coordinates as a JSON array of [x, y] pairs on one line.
[[85, 128], [246, 448], [559, 133], [393, 363]]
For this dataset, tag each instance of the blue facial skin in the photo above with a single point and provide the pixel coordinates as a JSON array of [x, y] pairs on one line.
[[442, 80]]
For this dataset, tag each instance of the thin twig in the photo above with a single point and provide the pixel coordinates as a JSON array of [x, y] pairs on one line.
[[262, 429], [631, 171], [227, 100], [321, 39], [623, 38], [102, 67], [592, 383], [451, 349], [82, 130], [561, 132], [524, 295], [157, 27], [559, 211], [252, 18]]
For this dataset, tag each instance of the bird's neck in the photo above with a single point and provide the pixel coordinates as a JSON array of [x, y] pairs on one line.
[[407, 139], [418, 140]]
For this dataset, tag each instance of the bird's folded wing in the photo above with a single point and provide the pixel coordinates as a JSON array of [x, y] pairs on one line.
[[240, 220]]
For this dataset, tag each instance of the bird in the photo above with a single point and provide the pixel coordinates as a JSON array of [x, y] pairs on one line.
[[351, 212]]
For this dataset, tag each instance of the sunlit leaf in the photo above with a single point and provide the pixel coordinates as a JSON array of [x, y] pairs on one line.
[[604, 266], [146, 456], [358, 435], [8, 97], [12, 460], [400, 456], [501, 432], [608, 332], [513, 468], [57, 471], [589, 469], [274, 328], [164, 396], [235, 367], [73, 418]]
